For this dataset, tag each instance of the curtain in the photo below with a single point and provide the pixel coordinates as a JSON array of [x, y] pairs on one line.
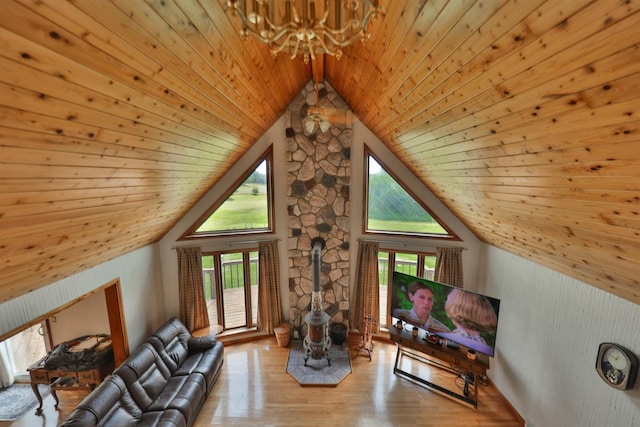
[[366, 299], [449, 266], [193, 305], [6, 364], [269, 306]]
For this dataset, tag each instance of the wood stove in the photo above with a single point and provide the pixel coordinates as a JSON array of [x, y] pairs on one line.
[[317, 342]]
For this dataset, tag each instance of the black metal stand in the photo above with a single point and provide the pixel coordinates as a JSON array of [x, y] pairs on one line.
[[439, 355], [433, 386]]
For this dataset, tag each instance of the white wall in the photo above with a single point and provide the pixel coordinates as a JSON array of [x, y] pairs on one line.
[[141, 289], [549, 330]]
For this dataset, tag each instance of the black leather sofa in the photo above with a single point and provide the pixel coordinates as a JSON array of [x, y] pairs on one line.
[[163, 383]]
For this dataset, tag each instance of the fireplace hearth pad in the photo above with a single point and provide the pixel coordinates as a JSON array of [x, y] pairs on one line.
[[317, 372]]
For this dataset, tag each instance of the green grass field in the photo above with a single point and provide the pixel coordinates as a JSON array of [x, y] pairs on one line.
[[247, 208], [242, 210], [399, 226]]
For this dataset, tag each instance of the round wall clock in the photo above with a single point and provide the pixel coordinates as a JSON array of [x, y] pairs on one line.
[[617, 366]]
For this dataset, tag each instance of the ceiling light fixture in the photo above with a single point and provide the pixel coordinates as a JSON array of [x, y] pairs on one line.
[[308, 27]]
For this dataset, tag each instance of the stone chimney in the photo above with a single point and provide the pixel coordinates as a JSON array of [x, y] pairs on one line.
[[319, 175]]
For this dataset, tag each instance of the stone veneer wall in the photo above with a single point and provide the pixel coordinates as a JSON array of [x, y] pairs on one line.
[[318, 178]]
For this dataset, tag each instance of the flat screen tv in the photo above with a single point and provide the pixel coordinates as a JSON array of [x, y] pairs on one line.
[[464, 317]]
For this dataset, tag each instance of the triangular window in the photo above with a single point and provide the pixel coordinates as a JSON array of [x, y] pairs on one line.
[[393, 209], [244, 209]]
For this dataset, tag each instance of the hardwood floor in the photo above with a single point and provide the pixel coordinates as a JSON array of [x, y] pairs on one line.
[[254, 390]]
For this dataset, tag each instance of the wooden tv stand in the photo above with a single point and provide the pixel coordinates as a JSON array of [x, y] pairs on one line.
[[439, 355]]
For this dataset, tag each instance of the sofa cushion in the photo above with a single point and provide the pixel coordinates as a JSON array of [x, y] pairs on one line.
[[172, 328], [170, 341], [173, 353], [108, 404], [166, 418], [145, 375], [126, 401], [206, 363], [185, 394]]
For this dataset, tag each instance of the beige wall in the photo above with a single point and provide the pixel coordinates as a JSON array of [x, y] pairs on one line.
[[86, 317]]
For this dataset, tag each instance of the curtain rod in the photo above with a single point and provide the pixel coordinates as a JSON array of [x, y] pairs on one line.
[[405, 244], [244, 242]]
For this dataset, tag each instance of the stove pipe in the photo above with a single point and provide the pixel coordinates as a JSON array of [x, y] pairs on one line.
[[317, 342]]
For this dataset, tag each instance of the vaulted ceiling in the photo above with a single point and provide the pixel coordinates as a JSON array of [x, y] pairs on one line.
[[522, 116]]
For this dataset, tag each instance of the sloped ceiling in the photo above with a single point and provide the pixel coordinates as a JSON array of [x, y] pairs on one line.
[[522, 116]]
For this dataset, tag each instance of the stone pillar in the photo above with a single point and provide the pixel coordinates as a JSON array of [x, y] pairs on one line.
[[318, 178]]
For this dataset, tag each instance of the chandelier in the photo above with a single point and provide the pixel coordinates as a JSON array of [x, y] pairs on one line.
[[308, 27]]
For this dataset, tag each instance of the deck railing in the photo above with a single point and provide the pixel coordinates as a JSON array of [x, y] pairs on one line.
[[233, 274], [406, 267]]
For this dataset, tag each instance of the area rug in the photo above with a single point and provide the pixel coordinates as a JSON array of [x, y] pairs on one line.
[[319, 373], [18, 399]]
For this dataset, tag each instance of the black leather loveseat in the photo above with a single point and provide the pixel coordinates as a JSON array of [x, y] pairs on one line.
[[163, 383]]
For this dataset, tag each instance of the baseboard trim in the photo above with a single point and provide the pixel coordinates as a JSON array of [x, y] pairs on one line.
[[512, 410]]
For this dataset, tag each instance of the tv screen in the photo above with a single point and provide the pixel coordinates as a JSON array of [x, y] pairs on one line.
[[464, 317]]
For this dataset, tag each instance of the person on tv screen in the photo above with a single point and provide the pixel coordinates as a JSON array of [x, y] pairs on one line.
[[421, 296], [471, 314]]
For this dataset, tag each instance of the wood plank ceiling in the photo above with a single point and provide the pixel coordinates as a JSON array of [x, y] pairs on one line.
[[522, 116]]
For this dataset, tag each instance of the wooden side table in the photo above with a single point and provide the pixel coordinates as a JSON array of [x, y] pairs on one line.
[[59, 379]]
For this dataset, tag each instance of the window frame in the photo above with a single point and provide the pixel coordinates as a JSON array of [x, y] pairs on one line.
[[451, 235], [193, 234], [250, 322]]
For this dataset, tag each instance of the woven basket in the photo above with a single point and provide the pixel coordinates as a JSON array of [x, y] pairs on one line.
[[283, 334]]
